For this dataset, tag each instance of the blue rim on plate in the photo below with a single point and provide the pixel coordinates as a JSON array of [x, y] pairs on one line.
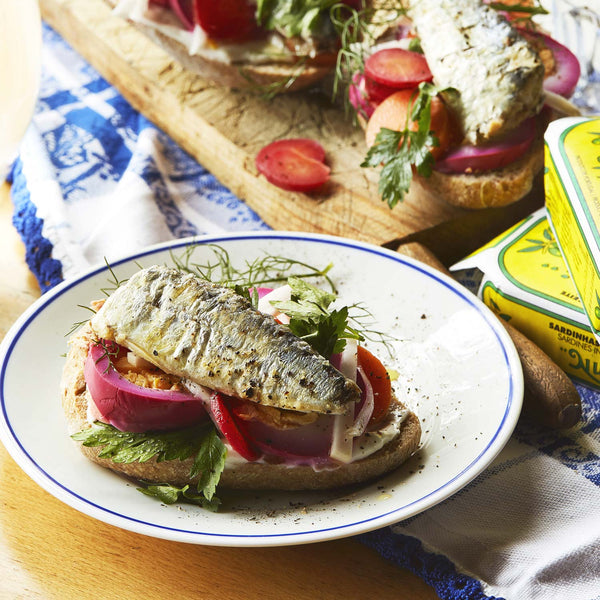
[[318, 528]]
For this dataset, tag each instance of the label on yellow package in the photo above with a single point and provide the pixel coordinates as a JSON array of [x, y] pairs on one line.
[[572, 187], [522, 277]]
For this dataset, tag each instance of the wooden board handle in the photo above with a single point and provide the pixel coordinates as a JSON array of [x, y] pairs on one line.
[[550, 396]]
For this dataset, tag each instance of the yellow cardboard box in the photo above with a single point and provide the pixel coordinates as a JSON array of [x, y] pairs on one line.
[[522, 277], [572, 188]]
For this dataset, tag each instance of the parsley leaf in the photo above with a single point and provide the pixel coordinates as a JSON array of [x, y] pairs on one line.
[[201, 441], [170, 494], [324, 334], [400, 151], [312, 320], [308, 301], [209, 463]]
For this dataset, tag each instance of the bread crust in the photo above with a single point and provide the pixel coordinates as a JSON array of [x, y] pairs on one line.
[[290, 76], [257, 476], [490, 189]]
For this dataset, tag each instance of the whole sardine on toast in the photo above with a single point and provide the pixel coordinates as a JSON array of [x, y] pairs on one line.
[[212, 336], [472, 48]]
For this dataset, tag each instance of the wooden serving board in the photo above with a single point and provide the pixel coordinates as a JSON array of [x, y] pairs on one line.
[[224, 130]]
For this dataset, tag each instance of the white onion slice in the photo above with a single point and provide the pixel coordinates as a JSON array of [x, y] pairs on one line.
[[280, 294], [341, 445], [362, 418], [347, 361]]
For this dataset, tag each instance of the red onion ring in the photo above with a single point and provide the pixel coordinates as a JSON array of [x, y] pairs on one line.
[[130, 407]]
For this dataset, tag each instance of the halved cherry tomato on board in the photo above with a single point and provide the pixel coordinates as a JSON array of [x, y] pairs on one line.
[[229, 427], [294, 164], [379, 379], [226, 19], [393, 112], [392, 69]]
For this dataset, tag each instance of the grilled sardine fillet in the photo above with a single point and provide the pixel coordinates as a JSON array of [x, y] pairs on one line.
[[472, 48], [212, 336]]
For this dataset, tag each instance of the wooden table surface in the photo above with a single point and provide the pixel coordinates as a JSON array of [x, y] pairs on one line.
[[49, 550]]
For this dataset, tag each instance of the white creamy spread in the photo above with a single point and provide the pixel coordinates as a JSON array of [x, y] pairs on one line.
[[372, 441], [197, 41]]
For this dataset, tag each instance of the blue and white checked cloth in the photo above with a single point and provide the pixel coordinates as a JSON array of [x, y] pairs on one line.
[[95, 179]]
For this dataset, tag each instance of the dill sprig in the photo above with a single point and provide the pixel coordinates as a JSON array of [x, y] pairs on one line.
[[262, 271], [78, 324], [113, 281], [110, 351], [358, 31], [313, 320], [268, 91], [361, 320]]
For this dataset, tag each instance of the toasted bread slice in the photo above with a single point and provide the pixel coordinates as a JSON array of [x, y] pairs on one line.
[[489, 189]]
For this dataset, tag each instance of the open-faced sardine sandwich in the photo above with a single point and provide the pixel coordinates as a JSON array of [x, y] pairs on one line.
[[184, 384]]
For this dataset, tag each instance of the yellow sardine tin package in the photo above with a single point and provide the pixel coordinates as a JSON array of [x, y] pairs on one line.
[[522, 276], [572, 188]]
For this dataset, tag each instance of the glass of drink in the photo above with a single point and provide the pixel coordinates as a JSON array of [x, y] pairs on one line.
[[20, 58]]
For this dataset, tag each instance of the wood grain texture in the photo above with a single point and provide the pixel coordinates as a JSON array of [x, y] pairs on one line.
[[225, 129], [49, 551]]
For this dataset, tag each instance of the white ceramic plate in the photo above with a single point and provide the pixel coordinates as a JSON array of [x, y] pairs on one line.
[[458, 371]]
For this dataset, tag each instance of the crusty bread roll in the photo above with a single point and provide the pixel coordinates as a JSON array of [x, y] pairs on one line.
[[291, 74], [259, 476]]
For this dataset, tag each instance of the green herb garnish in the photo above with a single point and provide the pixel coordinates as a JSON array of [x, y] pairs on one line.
[[526, 11], [311, 319], [200, 441], [170, 494], [400, 151], [79, 324], [295, 18], [358, 31], [264, 271]]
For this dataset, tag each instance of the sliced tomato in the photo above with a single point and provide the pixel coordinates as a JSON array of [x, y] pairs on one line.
[[294, 164], [230, 428], [392, 69], [231, 20], [380, 381], [159, 2], [393, 113]]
